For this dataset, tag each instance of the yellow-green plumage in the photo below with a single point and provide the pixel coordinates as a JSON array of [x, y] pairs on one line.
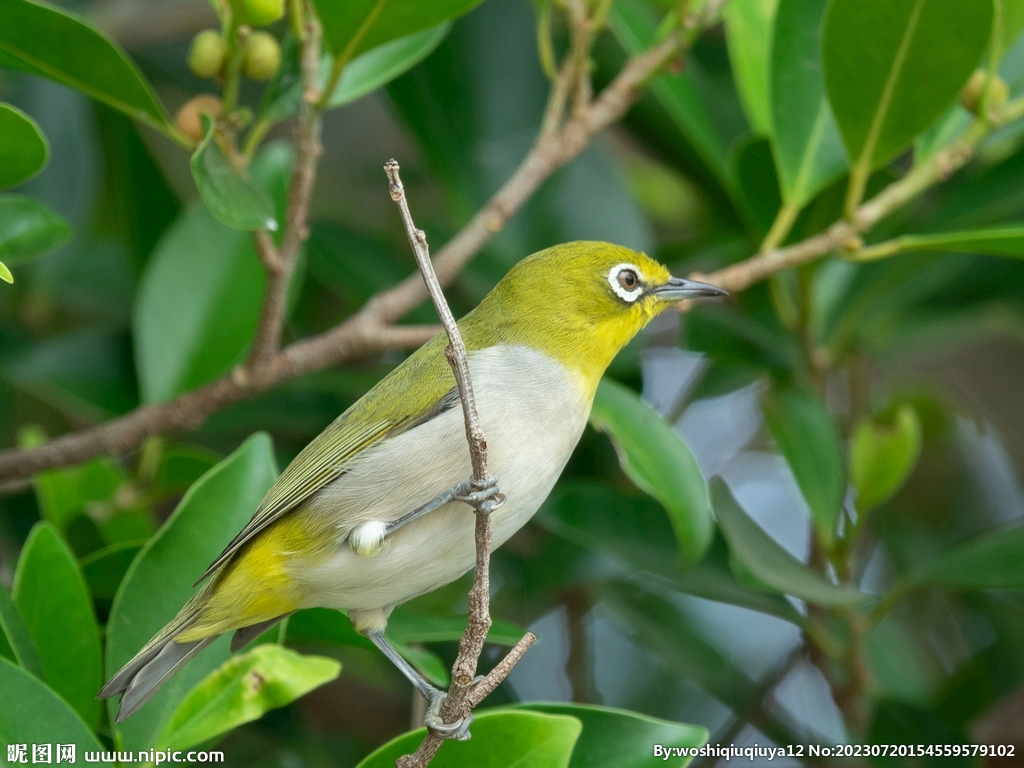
[[538, 345]]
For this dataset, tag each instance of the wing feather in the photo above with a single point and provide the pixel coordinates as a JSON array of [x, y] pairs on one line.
[[389, 409]]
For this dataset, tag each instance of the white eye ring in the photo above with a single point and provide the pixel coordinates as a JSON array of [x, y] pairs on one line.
[[628, 296]]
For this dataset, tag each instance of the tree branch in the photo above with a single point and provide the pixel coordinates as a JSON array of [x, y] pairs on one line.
[[279, 264]]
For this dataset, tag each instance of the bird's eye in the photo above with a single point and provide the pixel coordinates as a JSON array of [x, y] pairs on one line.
[[628, 279]]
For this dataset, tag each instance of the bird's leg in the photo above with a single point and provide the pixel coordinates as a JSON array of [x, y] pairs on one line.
[[435, 698], [482, 495], [368, 538]]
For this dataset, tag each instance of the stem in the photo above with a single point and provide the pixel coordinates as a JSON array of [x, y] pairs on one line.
[[780, 227], [877, 251], [855, 189]]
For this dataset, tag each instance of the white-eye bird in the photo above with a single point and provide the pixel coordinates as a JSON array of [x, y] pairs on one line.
[[367, 517]]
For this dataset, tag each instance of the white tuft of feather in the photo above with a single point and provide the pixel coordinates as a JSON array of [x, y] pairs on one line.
[[367, 539]]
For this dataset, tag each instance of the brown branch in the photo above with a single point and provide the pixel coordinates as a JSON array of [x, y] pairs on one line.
[[279, 264], [457, 706]]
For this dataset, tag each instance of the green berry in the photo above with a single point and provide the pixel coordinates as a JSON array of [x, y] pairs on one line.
[[261, 56], [259, 13], [970, 96], [206, 58]]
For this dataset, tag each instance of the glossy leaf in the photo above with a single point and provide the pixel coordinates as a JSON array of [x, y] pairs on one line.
[[52, 43], [383, 64], [882, 455], [28, 228], [405, 626], [893, 66], [809, 151], [353, 27], [636, 30], [768, 561], [51, 595], [501, 739], [748, 33], [33, 714], [5, 273], [15, 641], [756, 184], [998, 241], [993, 560], [23, 150], [105, 568], [231, 198], [160, 579], [655, 458], [807, 437], [241, 690], [199, 298], [624, 739]]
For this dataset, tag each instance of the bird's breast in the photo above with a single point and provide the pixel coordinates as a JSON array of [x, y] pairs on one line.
[[533, 410]]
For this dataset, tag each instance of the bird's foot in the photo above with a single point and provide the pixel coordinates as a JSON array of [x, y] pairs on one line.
[[458, 731], [484, 496]]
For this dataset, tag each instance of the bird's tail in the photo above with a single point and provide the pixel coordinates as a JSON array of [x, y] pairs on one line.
[[161, 657]]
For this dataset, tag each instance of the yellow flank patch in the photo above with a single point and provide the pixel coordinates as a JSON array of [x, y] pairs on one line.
[[255, 584]]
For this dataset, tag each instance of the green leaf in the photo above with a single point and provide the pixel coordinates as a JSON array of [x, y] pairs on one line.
[[5, 273], [231, 198], [51, 595], [993, 560], [635, 27], [33, 714], [659, 462], [352, 27], [197, 306], [624, 739], [28, 228], [383, 64], [53, 43], [15, 640], [501, 739], [807, 437], [998, 241], [809, 151], [882, 456], [748, 34], [23, 150], [427, 663], [756, 183], [768, 561], [160, 579], [893, 66], [241, 690], [199, 297], [62, 494], [105, 568]]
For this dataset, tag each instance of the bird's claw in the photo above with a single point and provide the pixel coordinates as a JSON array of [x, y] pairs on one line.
[[484, 496], [458, 731]]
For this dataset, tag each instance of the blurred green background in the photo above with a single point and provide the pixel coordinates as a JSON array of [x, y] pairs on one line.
[[806, 393]]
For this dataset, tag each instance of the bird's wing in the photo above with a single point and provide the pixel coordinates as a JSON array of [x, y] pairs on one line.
[[420, 389]]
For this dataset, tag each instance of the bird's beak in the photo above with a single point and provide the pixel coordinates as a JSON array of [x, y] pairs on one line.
[[679, 288]]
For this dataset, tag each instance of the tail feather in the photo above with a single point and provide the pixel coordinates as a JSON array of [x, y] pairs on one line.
[[153, 674], [246, 635]]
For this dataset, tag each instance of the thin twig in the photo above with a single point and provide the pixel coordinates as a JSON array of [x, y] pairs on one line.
[[279, 264], [457, 705]]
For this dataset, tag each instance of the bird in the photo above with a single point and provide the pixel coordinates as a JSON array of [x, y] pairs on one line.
[[373, 512]]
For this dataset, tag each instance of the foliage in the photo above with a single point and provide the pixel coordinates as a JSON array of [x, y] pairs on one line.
[[816, 498]]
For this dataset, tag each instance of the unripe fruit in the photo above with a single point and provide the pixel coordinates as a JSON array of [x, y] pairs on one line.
[[206, 57], [970, 96], [261, 56], [188, 116], [258, 13]]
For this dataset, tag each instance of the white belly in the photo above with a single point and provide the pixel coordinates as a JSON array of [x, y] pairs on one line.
[[533, 411]]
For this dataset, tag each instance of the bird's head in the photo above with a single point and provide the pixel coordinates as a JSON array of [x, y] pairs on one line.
[[581, 302]]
